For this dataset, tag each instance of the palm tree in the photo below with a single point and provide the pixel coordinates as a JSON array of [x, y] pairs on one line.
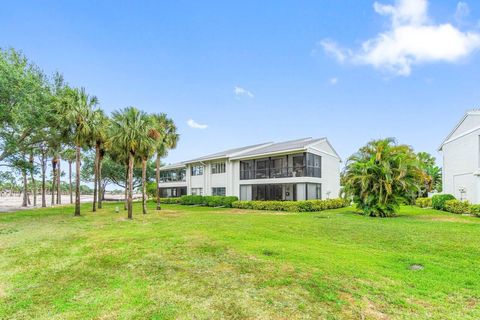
[[69, 155], [99, 137], [380, 176], [78, 109], [131, 130], [168, 140], [146, 151]]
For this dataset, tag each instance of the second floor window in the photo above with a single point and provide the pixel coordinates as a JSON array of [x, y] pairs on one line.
[[218, 167], [197, 170]]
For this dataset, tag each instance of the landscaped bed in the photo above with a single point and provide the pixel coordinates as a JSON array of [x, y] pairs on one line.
[[217, 263]]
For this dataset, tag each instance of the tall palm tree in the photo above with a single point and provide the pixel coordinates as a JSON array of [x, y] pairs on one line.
[[99, 138], [131, 130], [168, 140], [380, 176], [69, 155], [146, 151], [78, 110]]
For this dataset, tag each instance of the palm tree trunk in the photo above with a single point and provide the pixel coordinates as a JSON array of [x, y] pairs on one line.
[[34, 184], [144, 186], [25, 192], [59, 195], [130, 186], [157, 179], [70, 180], [54, 178], [44, 168], [126, 188], [95, 177], [100, 189], [77, 182]]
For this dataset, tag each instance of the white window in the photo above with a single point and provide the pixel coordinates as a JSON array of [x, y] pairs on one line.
[[218, 167], [197, 170], [218, 191], [197, 191]]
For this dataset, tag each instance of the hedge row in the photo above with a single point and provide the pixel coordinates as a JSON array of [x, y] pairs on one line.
[[210, 201], [447, 202], [292, 206], [170, 200]]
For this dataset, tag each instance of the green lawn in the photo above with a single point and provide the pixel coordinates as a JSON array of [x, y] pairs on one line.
[[204, 263]]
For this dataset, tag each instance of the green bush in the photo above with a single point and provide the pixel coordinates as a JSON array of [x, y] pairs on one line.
[[475, 209], [438, 201], [170, 200], [292, 206], [210, 201], [151, 190], [423, 202], [457, 206], [191, 200]]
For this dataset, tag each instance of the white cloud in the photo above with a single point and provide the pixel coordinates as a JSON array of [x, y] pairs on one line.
[[239, 92], [195, 125], [462, 12], [333, 81], [331, 48], [412, 39]]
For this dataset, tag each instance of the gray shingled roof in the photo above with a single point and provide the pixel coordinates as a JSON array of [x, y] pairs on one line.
[[226, 153], [281, 146]]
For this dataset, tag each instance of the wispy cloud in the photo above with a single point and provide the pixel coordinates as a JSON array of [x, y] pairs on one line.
[[462, 12], [195, 125], [242, 92], [412, 39], [333, 81]]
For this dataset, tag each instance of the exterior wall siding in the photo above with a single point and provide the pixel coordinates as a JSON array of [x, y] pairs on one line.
[[460, 165]]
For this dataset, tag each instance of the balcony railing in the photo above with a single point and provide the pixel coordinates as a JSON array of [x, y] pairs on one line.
[[172, 179], [285, 172]]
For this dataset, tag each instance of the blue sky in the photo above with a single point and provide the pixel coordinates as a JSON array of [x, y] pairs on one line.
[[255, 71]]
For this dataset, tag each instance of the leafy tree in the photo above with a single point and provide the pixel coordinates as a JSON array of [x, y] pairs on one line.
[[380, 176]]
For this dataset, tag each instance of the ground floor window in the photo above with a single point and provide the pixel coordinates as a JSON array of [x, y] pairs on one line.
[[173, 192], [279, 192], [218, 191], [196, 191], [314, 191]]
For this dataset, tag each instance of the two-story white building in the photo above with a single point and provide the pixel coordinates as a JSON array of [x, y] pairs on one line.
[[293, 170], [461, 159]]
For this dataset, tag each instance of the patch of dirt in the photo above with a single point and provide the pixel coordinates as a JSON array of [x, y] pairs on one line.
[[169, 213], [247, 211], [3, 294], [371, 311], [446, 219], [366, 310]]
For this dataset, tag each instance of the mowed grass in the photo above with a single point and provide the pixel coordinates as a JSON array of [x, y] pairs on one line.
[[205, 263]]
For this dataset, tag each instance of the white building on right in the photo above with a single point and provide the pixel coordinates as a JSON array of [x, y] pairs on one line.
[[461, 159]]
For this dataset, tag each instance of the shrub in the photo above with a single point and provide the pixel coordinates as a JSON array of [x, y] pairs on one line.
[[475, 209], [170, 200], [191, 200], [210, 201], [438, 201], [292, 206], [423, 202], [457, 206]]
